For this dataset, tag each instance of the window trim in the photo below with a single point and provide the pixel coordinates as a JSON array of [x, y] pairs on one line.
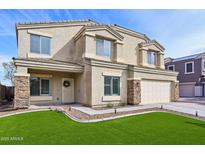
[[111, 85], [49, 90], [104, 39], [40, 45], [40, 89], [170, 66], [203, 66], [190, 62]]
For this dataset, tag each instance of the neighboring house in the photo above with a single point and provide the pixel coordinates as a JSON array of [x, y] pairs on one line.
[[91, 64], [191, 74]]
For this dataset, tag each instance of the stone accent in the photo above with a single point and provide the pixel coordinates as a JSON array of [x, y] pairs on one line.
[[22, 92], [175, 91], [133, 91]]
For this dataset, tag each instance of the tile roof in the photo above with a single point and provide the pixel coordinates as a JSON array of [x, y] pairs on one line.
[[56, 22], [187, 57]]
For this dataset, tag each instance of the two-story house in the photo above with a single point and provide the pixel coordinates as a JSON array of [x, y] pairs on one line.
[[89, 63], [191, 74]]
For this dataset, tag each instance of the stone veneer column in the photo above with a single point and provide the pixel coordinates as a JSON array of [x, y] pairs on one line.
[[22, 92], [133, 91], [175, 91]]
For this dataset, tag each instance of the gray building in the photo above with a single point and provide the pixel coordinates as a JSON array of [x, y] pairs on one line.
[[191, 74]]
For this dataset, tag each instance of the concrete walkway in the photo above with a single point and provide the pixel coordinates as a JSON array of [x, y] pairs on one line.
[[86, 114], [179, 107], [91, 111]]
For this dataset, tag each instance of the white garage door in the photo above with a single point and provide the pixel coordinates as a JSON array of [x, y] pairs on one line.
[[186, 90], [155, 91]]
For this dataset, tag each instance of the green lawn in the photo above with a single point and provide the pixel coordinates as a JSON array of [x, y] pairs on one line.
[[49, 127]]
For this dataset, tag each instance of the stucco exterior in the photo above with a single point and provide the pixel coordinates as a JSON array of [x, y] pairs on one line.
[[73, 55]]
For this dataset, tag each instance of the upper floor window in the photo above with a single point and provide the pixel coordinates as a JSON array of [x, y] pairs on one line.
[[171, 67], [40, 44], [103, 47], [203, 65], [151, 57], [189, 67]]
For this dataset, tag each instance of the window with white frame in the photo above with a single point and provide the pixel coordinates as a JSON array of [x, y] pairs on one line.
[[103, 47], [39, 86], [111, 85], [151, 57], [203, 65], [40, 44], [171, 67], [189, 67]]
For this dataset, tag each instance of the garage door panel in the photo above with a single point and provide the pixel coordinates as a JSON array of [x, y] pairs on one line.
[[186, 90], [155, 91]]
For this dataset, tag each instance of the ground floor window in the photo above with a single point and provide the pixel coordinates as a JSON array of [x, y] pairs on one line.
[[39, 86], [111, 85]]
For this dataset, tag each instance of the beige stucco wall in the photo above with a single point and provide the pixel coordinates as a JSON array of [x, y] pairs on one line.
[[140, 75], [130, 49], [98, 98], [83, 85], [79, 50], [62, 44]]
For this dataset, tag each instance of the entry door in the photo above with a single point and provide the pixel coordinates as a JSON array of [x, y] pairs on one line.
[[155, 91], [67, 90]]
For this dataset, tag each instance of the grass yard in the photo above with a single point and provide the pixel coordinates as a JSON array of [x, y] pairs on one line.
[[50, 127]]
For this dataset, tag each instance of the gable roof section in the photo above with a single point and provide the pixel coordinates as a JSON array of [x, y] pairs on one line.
[[153, 42], [95, 27], [130, 32]]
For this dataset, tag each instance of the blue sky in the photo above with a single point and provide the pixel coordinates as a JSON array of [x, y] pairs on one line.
[[181, 32]]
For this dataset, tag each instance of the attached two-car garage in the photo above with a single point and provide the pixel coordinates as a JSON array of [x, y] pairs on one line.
[[154, 91]]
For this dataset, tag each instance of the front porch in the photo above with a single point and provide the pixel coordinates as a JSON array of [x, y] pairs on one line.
[[46, 82], [52, 86]]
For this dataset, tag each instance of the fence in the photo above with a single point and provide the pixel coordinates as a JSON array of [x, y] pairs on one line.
[[6, 93]]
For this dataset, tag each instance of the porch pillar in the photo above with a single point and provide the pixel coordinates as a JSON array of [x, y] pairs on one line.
[[175, 91], [133, 91], [22, 88]]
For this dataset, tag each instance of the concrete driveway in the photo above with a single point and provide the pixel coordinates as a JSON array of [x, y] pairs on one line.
[[199, 100], [186, 107]]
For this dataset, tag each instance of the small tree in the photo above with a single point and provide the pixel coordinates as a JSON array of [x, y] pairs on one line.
[[9, 69]]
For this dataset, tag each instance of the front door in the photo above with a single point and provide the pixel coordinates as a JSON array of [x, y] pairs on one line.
[[67, 90]]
